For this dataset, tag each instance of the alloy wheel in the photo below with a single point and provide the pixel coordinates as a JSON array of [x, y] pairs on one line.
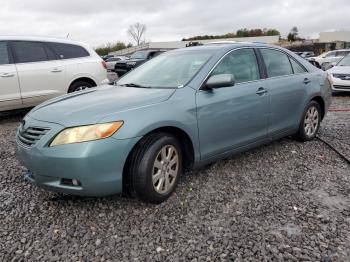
[[165, 169], [311, 121]]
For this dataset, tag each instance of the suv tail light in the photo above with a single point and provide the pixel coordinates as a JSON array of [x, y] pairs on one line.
[[330, 78], [104, 64]]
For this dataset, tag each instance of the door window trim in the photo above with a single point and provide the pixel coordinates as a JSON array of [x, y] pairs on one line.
[[227, 53]]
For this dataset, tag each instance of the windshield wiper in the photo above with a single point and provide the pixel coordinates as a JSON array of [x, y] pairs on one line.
[[135, 85]]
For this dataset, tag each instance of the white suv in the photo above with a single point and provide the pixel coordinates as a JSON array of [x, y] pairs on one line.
[[34, 69], [332, 57]]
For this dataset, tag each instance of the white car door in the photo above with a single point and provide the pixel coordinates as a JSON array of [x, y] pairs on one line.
[[41, 75], [10, 95]]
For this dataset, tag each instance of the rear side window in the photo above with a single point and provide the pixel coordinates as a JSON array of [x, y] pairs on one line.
[[277, 63], [4, 56], [26, 52], [67, 51], [297, 68], [241, 63]]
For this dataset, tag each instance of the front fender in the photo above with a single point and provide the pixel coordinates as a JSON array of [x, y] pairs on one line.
[[178, 111]]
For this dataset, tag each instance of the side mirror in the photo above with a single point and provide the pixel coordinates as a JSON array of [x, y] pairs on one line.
[[218, 81]]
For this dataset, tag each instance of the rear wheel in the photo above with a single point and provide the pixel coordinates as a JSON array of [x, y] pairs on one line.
[[155, 167], [311, 122], [79, 86]]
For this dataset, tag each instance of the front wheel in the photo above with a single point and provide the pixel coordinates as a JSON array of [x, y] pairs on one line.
[[155, 167], [310, 123]]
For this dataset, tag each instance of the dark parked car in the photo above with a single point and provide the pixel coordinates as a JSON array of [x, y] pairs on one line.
[[106, 57], [136, 59]]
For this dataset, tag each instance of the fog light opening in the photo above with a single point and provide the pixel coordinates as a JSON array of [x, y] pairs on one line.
[[70, 182]]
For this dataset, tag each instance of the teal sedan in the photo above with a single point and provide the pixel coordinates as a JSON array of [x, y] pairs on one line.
[[181, 110]]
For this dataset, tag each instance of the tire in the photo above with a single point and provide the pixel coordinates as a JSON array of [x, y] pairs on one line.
[[147, 167], [79, 86], [310, 122]]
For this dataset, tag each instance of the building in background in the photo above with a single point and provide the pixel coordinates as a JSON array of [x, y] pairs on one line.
[[333, 40]]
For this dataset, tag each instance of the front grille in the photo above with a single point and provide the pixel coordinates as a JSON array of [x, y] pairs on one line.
[[341, 87], [342, 76], [31, 135]]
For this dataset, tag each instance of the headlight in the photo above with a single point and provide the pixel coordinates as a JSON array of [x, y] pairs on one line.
[[86, 133]]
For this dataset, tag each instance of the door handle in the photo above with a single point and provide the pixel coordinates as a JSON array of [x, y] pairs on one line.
[[261, 91], [306, 81], [7, 75], [56, 70]]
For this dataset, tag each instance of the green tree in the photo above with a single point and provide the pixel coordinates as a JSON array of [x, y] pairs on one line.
[[107, 48], [293, 34]]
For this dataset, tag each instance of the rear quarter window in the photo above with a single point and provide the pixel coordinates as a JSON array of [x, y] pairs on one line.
[[297, 68], [68, 51]]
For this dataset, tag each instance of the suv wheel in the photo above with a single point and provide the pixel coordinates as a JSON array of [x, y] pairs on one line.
[[311, 122], [79, 86], [155, 167]]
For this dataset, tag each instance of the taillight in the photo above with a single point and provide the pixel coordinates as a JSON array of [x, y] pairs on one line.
[[104, 64], [330, 78]]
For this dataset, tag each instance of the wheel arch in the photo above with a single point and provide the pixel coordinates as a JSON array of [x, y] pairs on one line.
[[186, 146], [322, 104], [183, 138], [84, 79]]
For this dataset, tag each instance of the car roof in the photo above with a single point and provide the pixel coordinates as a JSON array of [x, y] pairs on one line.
[[226, 46], [39, 38]]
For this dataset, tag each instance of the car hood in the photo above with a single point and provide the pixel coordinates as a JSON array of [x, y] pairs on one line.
[[340, 70], [91, 106]]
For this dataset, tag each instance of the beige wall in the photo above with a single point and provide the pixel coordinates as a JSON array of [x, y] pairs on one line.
[[327, 37]]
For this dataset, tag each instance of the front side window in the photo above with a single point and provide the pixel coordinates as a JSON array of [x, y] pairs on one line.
[[277, 63], [67, 51], [297, 68], [27, 52], [342, 53], [330, 54], [169, 70], [4, 56], [241, 64]]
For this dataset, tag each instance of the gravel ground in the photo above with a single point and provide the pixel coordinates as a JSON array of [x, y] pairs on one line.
[[283, 201]]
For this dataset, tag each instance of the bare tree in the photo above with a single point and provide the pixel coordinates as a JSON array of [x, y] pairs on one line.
[[136, 32]]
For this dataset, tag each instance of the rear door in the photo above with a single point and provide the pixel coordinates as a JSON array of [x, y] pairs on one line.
[[41, 75], [287, 81], [10, 95]]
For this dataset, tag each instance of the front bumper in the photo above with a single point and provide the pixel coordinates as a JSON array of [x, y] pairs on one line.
[[97, 165], [340, 85]]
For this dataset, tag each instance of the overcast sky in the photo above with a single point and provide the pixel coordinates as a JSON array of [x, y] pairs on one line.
[[100, 21]]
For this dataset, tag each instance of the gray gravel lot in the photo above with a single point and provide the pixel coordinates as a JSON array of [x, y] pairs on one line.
[[283, 201]]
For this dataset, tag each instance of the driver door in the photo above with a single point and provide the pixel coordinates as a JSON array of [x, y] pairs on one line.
[[237, 116]]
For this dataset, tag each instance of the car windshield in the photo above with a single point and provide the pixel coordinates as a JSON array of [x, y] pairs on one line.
[[345, 61], [169, 70], [139, 55]]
